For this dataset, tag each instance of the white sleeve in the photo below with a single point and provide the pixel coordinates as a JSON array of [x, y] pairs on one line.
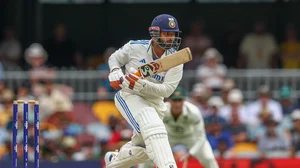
[[199, 132], [165, 89], [120, 57]]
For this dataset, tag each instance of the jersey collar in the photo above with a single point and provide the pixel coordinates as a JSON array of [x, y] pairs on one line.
[[149, 51]]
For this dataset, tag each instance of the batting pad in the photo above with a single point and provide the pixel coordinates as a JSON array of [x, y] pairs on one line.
[[129, 156], [156, 139]]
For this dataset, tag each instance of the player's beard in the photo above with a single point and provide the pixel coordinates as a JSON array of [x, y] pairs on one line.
[[164, 45], [168, 45]]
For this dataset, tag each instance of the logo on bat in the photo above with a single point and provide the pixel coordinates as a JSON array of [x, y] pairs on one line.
[[149, 69]]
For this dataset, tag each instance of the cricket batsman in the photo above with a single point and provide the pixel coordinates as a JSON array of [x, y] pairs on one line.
[[185, 126], [140, 101]]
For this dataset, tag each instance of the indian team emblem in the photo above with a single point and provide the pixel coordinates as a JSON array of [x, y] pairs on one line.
[[172, 23]]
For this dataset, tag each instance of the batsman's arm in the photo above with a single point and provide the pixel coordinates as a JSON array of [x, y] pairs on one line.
[[117, 60], [120, 57], [165, 89]]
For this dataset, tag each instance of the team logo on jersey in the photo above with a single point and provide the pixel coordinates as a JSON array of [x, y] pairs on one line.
[[172, 23]]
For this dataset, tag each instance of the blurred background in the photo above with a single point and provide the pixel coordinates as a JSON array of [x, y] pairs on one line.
[[244, 76]]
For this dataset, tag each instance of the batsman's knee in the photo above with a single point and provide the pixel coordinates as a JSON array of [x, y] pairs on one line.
[[150, 122]]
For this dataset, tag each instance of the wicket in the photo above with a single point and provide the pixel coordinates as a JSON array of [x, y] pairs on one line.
[[25, 132]]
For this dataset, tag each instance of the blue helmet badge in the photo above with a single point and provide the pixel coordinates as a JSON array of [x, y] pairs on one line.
[[172, 23]]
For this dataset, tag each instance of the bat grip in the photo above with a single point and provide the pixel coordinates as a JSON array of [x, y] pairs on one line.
[[138, 74]]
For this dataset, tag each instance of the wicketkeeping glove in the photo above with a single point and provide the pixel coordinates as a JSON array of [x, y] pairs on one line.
[[133, 82], [115, 78]]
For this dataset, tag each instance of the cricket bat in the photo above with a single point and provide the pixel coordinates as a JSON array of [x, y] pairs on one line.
[[180, 57]]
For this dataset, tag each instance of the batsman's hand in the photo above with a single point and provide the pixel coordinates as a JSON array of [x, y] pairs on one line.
[[133, 82], [115, 78]]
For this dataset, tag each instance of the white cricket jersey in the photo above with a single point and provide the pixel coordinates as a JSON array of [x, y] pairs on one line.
[[189, 125], [137, 53]]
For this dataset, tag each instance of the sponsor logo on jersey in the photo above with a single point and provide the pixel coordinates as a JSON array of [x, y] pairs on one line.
[[143, 61], [158, 77]]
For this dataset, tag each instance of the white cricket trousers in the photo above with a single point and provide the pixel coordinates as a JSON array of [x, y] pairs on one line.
[[129, 106]]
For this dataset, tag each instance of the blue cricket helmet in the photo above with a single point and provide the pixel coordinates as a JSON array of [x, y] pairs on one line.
[[165, 23]]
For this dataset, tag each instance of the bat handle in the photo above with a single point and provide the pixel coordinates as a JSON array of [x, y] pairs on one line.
[[138, 74]]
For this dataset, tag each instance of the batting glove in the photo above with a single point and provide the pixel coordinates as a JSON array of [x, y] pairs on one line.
[[115, 78], [133, 82]]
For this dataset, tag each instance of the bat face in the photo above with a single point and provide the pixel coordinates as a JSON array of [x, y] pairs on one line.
[[149, 69]]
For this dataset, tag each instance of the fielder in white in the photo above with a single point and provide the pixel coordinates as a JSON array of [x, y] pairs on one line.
[[185, 126], [140, 101]]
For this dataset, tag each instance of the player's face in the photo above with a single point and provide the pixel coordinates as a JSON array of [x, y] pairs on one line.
[[176, 106], [167, 38]]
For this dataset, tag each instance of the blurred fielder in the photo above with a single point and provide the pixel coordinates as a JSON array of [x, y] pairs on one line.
[[140, 101], [185, 127]]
